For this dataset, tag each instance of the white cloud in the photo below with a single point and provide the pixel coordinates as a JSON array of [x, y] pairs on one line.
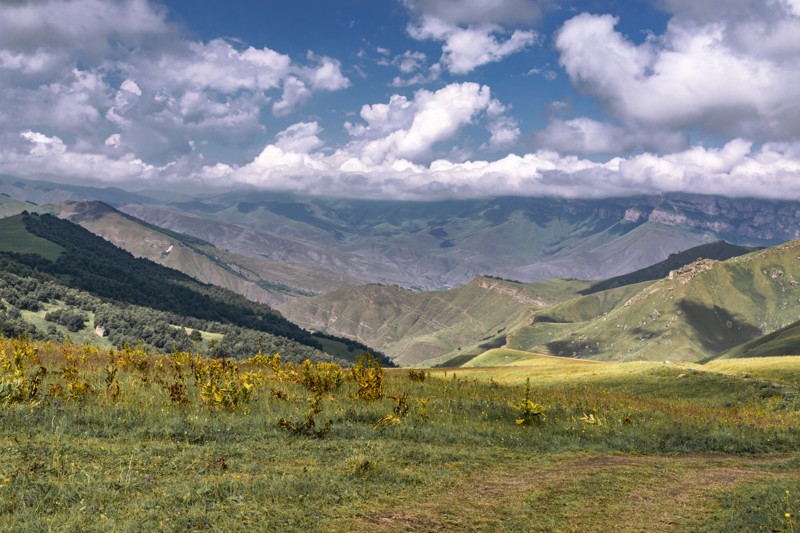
[[406, 129], [86, 71], [409, 61], [131, 87], [88, 28], [327, 75], [736, 169], [302, 137], [295, 93], [473, 31], [51, 158], [504, 130], [465, 49], [728, 76], [469, 12]]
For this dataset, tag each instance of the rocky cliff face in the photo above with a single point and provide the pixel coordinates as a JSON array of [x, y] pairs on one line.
[[740, 220]]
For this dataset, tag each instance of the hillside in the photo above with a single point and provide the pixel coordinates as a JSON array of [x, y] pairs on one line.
[[429, 245], [785, 341], [414, 327], [53, 266], [10, 206], [697, 312], [719, 250], [115, 440], [256, 279]]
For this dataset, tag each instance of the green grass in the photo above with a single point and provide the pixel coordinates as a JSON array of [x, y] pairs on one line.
[[785, 369], [11, 206], [339, 349], [662, 458], [785, 341], [84, 336], [14, 237]]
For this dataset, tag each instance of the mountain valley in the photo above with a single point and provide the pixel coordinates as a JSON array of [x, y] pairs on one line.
[[657, 284]]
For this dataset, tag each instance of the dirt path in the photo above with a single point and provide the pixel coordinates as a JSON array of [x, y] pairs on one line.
[[602, 493]]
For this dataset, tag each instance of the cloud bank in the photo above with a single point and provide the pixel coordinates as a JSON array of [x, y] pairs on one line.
[[709, 105]]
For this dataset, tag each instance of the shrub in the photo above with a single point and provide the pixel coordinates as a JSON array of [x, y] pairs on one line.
[[368, 375], [529, 411]]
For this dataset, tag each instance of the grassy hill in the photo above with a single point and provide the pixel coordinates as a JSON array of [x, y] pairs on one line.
[[785, 341], [15, 237], [428, 245], [10, 206], [719, 250], [414, 327], [698, 312], [441, 244]]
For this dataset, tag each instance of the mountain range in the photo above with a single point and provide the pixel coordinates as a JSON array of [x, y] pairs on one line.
[[439, 244], [438, 283]]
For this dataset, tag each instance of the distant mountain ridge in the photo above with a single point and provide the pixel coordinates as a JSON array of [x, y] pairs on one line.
[[446, 243]]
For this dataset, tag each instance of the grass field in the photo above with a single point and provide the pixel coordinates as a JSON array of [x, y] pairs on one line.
[[14, 237], [127, 441]]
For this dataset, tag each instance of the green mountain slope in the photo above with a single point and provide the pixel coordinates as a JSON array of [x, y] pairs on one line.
[[785, 341], [258, 280], [429, 245], [49, 264], [10, 206], [719, 250], [697, 312], [428, 327], [441, 244]]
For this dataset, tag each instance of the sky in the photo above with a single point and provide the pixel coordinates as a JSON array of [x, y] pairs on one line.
[[405, 99]]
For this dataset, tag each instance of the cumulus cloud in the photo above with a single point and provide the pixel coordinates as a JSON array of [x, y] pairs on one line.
[[51, 157], [409, 61], [469, 12], [409, 129], [735, 169], [504, 129], [472, 31], [123, 95], [302, 137], [733, 74], [50, 34], [115, 74]]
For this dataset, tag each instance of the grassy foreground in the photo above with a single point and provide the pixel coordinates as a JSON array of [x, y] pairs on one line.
[[127, 441]]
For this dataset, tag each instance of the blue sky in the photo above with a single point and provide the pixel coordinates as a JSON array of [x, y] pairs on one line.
[[405, 98]]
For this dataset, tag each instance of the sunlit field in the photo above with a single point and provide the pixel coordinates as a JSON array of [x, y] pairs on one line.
[[131, 441]]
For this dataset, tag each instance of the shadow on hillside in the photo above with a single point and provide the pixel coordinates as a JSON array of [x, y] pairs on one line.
[[715, 328], [573, 348]]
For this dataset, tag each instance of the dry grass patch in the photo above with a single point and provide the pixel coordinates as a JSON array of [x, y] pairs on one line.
[[581, 494]]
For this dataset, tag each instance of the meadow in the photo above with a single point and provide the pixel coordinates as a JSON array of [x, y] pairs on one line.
[[101, 440]]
